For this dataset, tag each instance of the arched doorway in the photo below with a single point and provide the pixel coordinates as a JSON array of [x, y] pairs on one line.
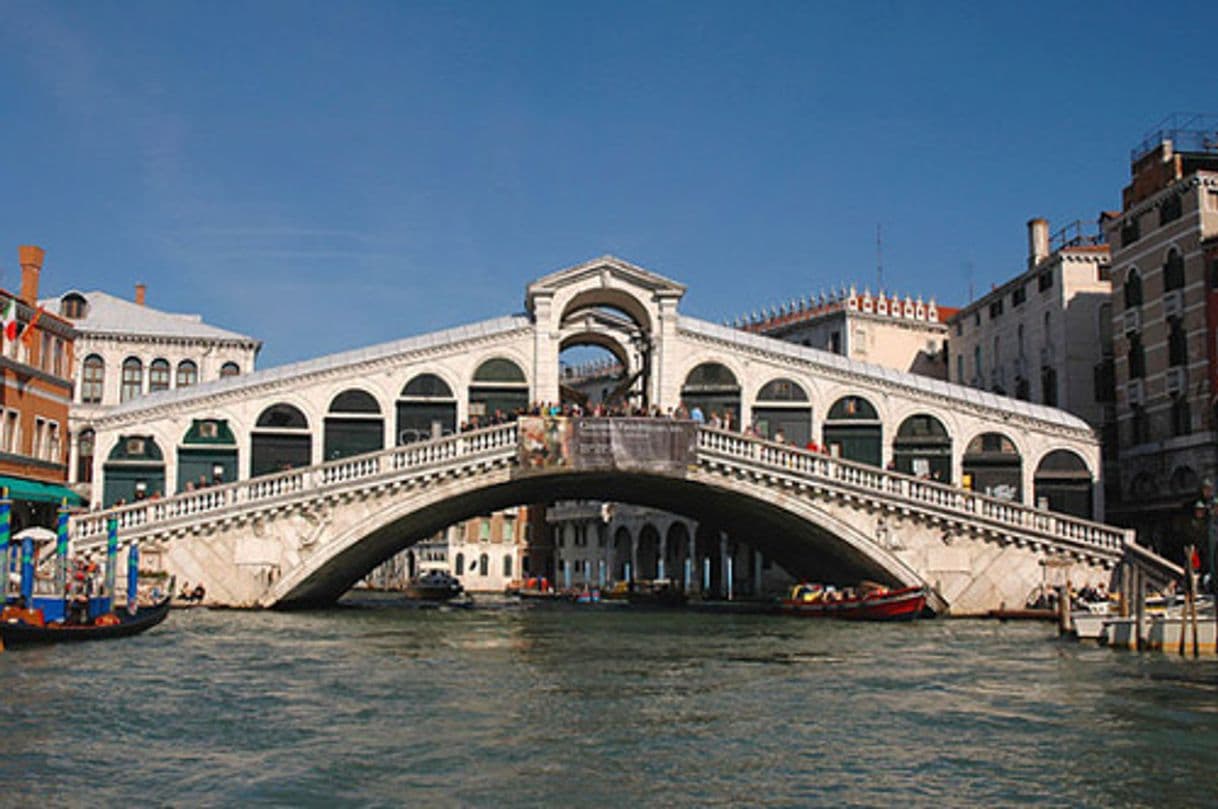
[[280, 440], [353, 426], [426, 408], [782, 405], [1063, 484], [649, 553], [499, 389], [712, 388], [853, 431], [923, 448], [208, 454], [134, 470], [992, 466]]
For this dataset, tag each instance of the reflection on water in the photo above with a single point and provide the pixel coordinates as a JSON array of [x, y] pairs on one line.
[[518, 707]]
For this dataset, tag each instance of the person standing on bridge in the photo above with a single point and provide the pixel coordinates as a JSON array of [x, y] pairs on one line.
[[696, 414]]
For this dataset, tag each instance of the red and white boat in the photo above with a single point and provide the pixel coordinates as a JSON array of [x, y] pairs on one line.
[[868, 602]]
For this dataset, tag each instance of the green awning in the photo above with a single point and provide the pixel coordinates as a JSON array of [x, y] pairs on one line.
[[22, 489]]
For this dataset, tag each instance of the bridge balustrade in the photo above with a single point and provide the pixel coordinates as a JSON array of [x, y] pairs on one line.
[[901, 490], [971, 507], [90, 529]]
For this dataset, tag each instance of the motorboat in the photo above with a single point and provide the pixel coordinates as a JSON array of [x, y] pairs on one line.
[[434, 585], [868, 602]]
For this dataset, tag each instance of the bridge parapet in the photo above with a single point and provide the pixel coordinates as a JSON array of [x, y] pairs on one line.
[[904, 493], [152, 517], [717, 450]]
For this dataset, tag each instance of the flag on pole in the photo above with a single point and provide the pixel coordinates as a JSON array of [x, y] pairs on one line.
[[8, 319], [27, 336]]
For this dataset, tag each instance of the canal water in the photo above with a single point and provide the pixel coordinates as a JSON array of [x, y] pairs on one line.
[[380, 705]]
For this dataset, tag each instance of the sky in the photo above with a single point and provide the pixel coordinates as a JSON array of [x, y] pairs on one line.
[[325, 176]]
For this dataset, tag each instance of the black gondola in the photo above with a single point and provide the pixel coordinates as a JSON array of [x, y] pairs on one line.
[[18, 633]]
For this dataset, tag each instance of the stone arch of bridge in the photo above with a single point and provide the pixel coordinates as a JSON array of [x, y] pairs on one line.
[[797, 533]]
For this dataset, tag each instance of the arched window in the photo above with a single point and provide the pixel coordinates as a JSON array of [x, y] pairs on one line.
[[229, 369], [280, 440], [1133, 289], [498, 389], [782, 405], [426, 408], [1063, 484], [133, 379], [992, 466], [73, 305], [853, 430], [483, 565], [134, 470], [1137, 357], [188, 373], [158, 375], [460, 564], [507, 566], [923, 448], [1181, 416], [354, 425], [84, 454], [1173, 271], [92, 380], [712, 388], [1177, 342]]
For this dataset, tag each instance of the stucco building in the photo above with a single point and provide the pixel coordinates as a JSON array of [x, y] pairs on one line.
[[127, 350]]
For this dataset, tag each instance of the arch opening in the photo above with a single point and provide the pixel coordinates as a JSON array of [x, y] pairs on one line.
[[426, 408], [711, 389], [993, 466], [853, 431], [782, 411], [280, 440]]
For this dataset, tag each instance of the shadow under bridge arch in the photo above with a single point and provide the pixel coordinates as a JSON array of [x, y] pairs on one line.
[[796, 533]]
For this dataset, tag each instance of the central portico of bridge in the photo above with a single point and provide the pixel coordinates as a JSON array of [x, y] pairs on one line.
[[409, 399]]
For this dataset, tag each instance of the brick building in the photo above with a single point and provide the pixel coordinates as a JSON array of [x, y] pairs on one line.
[[34, 401]]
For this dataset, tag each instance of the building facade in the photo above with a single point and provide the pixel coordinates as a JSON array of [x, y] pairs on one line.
[[1045, 335], [1165, 324], [127, 350], [35, 359]]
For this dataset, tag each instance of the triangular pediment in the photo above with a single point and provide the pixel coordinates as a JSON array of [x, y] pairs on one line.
[[607, 271]]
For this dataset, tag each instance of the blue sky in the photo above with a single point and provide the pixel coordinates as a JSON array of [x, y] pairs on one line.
[[330, 175]]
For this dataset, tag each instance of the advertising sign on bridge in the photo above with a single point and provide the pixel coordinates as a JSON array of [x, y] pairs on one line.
[[552, 443]]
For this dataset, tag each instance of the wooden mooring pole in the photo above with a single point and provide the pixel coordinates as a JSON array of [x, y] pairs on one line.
[[1139, 579]]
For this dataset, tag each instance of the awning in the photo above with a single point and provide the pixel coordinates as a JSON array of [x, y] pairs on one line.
[[39, 492]]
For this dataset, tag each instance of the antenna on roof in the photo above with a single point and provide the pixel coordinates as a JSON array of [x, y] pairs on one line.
[[879, 257], [968, 273]]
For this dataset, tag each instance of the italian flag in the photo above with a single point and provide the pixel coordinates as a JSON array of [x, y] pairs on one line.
[[8, 319]]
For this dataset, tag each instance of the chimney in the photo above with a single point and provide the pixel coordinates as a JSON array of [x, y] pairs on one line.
[[1038, 241], [140, 289], [30, 257]]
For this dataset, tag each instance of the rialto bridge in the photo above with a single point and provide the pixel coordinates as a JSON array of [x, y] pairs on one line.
[[317, 471]]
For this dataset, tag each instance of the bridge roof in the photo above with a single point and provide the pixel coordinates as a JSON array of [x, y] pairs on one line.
[[924, 384], [330, 362]]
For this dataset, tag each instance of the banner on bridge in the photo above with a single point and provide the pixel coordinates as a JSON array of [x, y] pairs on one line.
[[550, 443]]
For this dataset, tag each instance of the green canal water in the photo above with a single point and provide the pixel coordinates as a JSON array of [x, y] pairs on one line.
[[386, 706]]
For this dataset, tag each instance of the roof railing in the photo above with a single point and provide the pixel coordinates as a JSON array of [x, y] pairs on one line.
[[1188, 132]]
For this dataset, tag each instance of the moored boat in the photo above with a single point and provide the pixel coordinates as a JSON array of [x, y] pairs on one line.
[[435, 585], [24, 627], [870, 603]]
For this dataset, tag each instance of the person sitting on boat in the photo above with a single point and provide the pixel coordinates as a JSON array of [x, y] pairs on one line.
[[198, 594]]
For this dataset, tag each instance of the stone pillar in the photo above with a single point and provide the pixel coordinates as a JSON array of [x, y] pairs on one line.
[[545, 349], [73, 456], [665, 365], [634, 557]]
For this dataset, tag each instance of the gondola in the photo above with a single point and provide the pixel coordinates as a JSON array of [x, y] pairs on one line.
[[17, 632]]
